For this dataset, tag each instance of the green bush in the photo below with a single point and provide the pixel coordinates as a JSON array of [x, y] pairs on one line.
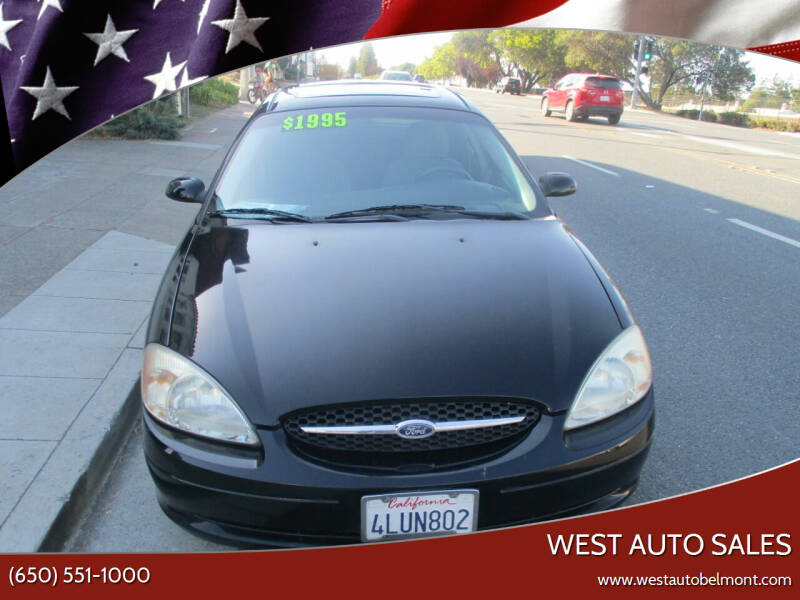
[[742, 120], [692, 113], [734, 118], [776, 124], [153, 120], [214, 92]]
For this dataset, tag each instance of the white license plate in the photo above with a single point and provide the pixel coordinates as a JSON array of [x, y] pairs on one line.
[[421, 514], [604, 98]]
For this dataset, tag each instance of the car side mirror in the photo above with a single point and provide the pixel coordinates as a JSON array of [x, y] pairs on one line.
[[557, 184], [186, 189]]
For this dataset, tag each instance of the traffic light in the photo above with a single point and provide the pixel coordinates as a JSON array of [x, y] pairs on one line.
[[636, 48], [648, 49]]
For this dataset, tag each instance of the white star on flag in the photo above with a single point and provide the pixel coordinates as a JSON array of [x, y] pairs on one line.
[[240, 28], [110, 41], [185, 80], [53, 3], [203, 13], [49, 96], [165, 79], [157, 2], [5, 27]]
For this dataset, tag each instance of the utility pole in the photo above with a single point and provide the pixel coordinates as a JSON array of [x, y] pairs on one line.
[[639, 58], [703, 98]]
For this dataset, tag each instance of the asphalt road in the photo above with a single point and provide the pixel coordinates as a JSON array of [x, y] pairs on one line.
[[699, 225]]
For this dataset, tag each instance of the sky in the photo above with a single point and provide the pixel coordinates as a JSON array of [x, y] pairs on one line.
[[416, 48], [391, 51]]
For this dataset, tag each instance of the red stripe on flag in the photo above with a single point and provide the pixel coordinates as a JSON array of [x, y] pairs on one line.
[[416, 16], [790, 50]]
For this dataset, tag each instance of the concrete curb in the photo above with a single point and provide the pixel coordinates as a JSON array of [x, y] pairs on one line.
[[91, 480]]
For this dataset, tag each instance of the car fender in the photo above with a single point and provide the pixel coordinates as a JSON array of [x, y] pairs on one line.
[[614, 295]]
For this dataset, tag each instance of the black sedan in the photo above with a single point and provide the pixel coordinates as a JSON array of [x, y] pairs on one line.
[[377, 329]]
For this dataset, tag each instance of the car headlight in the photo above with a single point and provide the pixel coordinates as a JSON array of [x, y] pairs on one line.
[[620, 377], [178, 393]]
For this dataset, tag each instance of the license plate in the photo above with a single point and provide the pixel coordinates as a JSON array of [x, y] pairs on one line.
[[604, 99], [420, 514]]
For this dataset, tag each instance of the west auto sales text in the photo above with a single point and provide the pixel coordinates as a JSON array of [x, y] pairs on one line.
[[670, 544]]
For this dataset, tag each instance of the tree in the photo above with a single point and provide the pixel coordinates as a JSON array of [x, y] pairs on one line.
[[532, 54], [406, 66], [690, 64], [478, 59], [773, 95], [478, 46], [352, 67], [367, 63], [731, 75], [599, 52], [441, 65]]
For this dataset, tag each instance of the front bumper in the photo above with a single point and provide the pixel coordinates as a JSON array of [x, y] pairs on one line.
[[277, 498]]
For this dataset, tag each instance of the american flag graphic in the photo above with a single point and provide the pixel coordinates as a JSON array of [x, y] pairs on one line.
[[69, 65]]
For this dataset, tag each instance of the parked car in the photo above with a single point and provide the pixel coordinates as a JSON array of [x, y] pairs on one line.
[[396, 76], [583, 95], [376, 328], [511, 85], [419, 78]]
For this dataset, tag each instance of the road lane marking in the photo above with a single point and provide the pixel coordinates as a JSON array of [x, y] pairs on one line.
[[711, 210], [590, 165], [730, 164], [746, 148], [767, 232], [650, 135]]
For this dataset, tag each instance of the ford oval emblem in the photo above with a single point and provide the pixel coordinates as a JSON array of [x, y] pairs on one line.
[[415, 429]]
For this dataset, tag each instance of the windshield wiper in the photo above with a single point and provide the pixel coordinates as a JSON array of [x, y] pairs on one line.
[[508, 215], [397, 208], [405, 209], [270, 212]]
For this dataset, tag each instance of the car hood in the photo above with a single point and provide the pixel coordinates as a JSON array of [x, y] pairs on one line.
[[287, 316]]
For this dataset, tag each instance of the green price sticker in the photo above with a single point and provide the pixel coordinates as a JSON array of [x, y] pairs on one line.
[[324, 120]]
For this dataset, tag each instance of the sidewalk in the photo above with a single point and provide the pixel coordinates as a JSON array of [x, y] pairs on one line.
[[85, 236]]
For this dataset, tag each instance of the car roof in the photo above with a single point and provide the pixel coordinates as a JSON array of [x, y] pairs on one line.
[[593, 75], [356, 92]]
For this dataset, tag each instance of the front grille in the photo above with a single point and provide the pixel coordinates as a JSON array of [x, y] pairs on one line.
[[444, 448]]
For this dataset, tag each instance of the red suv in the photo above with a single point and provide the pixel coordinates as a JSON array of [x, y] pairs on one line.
[[582, 95]]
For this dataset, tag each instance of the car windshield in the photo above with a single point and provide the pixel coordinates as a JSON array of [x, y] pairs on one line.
[[317, 163], [605, 83]]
